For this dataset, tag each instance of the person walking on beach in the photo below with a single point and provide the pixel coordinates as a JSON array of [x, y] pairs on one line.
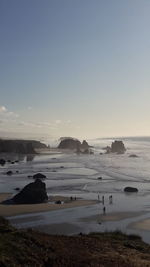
[[104, 210], [110, 199], [103, 200]]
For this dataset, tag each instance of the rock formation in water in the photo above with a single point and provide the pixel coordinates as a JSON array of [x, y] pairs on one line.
[[130, 189], [133, 156], [32, 193], [118, 147], [69, 143], [84, 145], [20, 146], [75, 144]]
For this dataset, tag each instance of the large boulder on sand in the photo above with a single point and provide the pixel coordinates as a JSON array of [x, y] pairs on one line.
[[118, 147], [2, 162], [130, 189], [39, 176], [32, 193]]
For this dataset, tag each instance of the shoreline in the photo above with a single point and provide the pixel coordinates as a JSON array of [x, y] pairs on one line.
[[14, 210], [113, 216], [142, 225]]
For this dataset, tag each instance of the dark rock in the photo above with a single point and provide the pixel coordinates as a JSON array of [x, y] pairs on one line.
[[133, 156], [108, 149], [118, 147], [39, 176], [30, 176], [86, 151], [9, 173], [17, 188], [84, 145], [17, 171], [130, 189], [2, 162], [69, 143], [12, 162], [30, 148], [72, 143], [78, 150], [8, 202], [99, 178], [62, 167], [30, 157], [32, 193], [58, 202], [20, 146]]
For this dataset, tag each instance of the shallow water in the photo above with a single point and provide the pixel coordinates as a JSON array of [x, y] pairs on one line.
[[77, 175]]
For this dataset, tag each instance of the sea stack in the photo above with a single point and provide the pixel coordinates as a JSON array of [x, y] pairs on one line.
[[32, 193], [118, 147]]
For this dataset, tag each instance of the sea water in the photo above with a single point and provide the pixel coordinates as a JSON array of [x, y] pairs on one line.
[[77, 175]]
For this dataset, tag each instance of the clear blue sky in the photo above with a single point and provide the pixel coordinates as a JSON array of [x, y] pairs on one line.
[[75, 67]]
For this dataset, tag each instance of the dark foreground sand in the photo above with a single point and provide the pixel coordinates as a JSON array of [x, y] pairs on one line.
[[31, 248]]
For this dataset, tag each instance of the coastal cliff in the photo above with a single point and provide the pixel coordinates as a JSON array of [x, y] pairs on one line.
[[20, 146]]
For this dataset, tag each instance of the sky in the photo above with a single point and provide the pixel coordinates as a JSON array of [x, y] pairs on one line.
[[74, 68]]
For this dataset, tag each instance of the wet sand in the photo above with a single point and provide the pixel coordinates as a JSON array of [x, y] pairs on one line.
[[116, 216], [4, 196], [12, 210], [141, 225]]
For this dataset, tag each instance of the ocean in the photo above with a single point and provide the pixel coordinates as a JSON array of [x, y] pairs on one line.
[[74, 175]]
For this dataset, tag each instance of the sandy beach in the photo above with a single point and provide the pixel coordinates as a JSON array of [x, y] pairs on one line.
[[12, 210], [4, 196], [115, 216], [141, 225]]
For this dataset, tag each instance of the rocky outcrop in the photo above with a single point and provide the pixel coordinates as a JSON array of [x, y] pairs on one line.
[[75, 144], [32, 193], [84, 145], [118, 147], [39, 176], [2, 162], [130, 189], [9, 172], [69, 143], [20, 146], [133, 156], [108, 149]]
